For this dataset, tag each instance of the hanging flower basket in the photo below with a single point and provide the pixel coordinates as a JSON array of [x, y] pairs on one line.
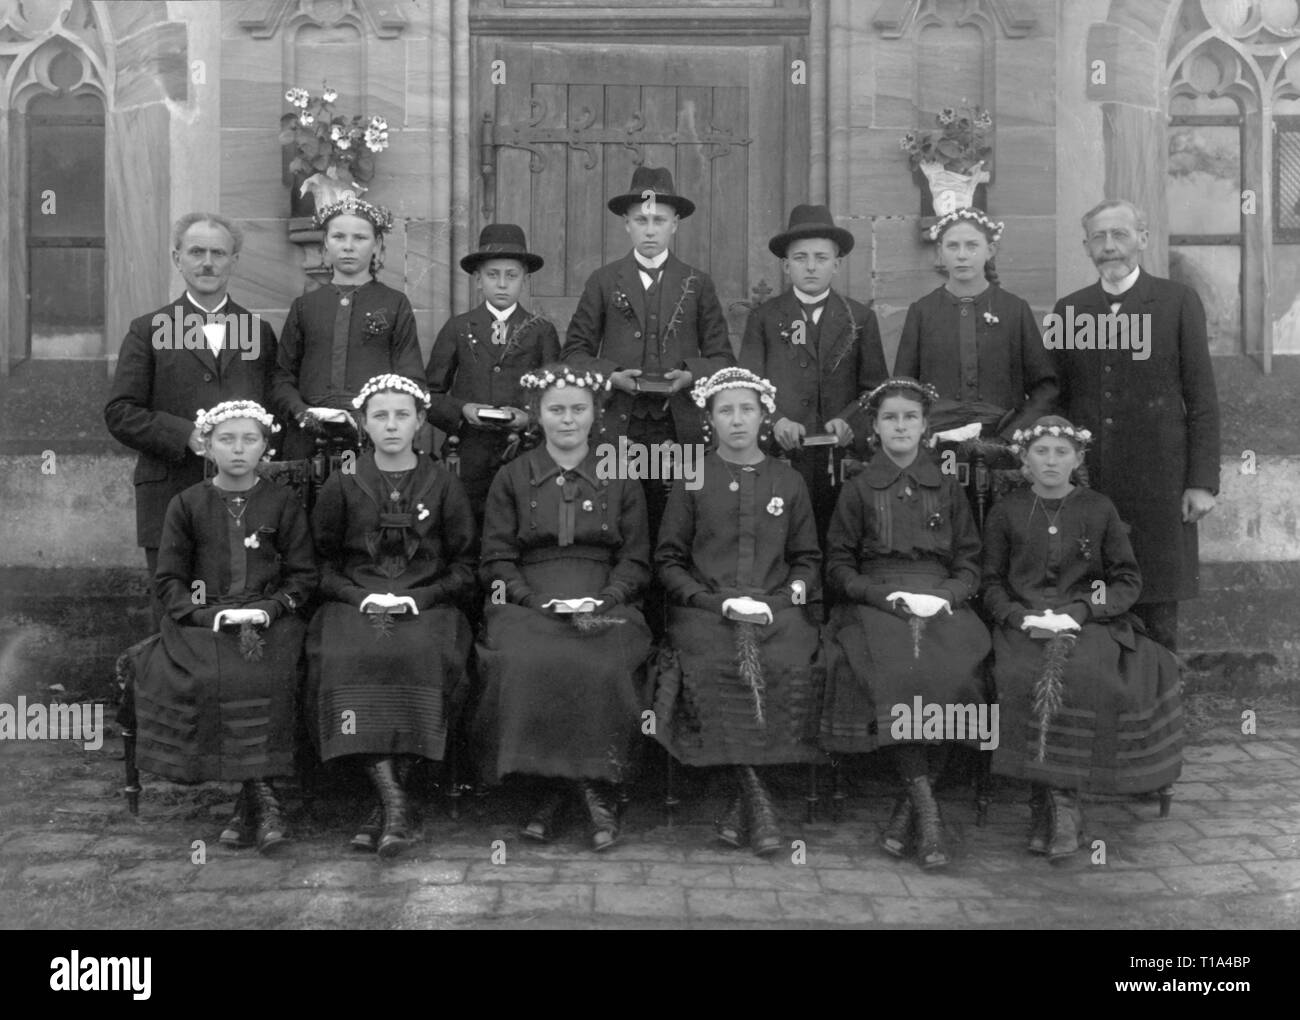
[[950, 190]]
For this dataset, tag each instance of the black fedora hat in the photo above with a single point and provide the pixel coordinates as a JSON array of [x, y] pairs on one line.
[[658, 180], [810, 221], [502, 241]]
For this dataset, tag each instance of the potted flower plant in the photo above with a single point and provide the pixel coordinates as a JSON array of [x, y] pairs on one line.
[[327, 153], [952, 157]]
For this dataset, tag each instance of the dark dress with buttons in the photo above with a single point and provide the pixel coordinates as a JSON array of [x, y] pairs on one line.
[[471, 364], [558, 699], [759, 540], [334, 342], [1120, 726], [206, 707], [385, 683], [984, 355], [900, 529]]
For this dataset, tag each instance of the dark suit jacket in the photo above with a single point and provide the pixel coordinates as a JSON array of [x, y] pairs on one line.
[[815, 383], [606, 337], [1155, 424], [159, 389], [466, 367]]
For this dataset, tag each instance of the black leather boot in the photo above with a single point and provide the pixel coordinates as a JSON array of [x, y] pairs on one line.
[[542, 826], [930, 852], [898, 837], [272, 831], [1040, 820], [396, 834], [241, 831], [730, 828], [367, 837], [764, 830], [604, 824], [1066, 823]]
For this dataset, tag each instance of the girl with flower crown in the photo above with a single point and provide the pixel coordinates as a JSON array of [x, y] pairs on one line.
[[341, 334], [903, 551], [386, 652], [1089, 704], [215, 691], [975, 343], [739, 559], [566, 554]]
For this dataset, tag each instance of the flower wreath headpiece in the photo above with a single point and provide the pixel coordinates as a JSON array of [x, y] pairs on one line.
[[391, 381], [544, 379], [734, 379], [380, 218], [994, 227], [1021, 439], [924, 390], [206, 421]]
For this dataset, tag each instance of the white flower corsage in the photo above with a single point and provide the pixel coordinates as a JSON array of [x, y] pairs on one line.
[[588, 505], [421, 511], [776, 506], [991, 319], [251, 542]]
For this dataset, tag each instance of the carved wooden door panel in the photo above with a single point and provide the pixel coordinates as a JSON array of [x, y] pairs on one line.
[[571, 121]]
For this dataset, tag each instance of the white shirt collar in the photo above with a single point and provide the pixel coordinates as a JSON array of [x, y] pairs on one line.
[[213, 311], [500, 316], [653, 263], [1124, 284], [805, 299]]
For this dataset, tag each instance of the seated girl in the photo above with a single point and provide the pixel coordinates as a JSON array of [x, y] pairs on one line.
[[387, 650], [739, 559], [1089, 704], [904, 552], [565, 555], [214, 695]]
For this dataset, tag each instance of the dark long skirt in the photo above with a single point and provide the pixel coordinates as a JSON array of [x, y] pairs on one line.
[[555, 700], [205, 712], [1120, 728], [707, 713], [384, 690], [872, 666]]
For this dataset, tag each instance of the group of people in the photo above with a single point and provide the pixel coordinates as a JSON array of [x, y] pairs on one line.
[[822, 568]]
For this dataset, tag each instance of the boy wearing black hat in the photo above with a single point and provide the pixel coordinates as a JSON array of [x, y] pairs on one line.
[[820, 349], [653, 325], [478, 357]]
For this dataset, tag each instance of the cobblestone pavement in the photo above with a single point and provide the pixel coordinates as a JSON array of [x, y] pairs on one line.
[[1228, 857]]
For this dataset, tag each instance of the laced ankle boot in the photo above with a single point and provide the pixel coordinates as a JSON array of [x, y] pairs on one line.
[[764, 831], [604, 826], [730, 827], [396, 835], [1040, 820], [271, 828], [897, 839], [1066, 823], [367, 837], [240, 831], [930, 852], [541, 827]]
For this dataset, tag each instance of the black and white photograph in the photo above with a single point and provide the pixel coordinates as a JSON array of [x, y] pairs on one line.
[[480, 465]]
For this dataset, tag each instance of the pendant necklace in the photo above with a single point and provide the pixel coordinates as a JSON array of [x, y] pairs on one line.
[[735, 479], [1051, 521], [395, 480], [345, 296]]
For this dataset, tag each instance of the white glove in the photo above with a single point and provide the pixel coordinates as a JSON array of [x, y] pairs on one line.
[[1055, 622], [921, 605], [744, 608], [582, 605], [257, 617], [333, 414], [389, 603], [957, 435]]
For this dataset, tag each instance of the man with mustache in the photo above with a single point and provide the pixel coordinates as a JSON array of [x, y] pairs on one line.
[[1154, 420], [163, 378]]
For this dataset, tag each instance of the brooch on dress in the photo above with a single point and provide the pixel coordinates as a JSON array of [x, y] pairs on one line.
[[934, 521], [1085, 548], [376, 323], [251, 542], [776, 506], [588, 505], [621, 303], [421, 511], [991, 319]]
